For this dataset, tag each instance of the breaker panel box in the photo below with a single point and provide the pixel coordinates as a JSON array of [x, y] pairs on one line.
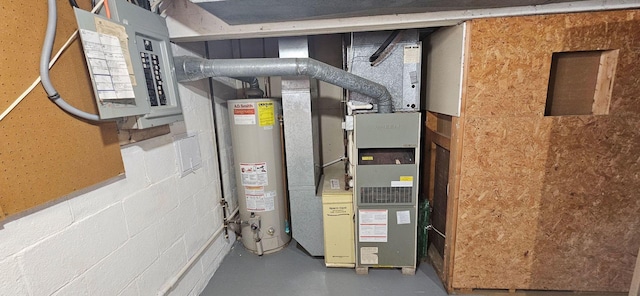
[[131, 65], [386, 189]]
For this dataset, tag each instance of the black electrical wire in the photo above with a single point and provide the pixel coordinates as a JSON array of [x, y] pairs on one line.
[[376, 55], [73, 3]]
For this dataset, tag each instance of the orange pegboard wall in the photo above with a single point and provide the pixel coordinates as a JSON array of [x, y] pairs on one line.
[[46, 153]]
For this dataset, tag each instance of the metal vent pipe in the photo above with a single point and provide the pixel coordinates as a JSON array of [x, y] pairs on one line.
[[193, 68]]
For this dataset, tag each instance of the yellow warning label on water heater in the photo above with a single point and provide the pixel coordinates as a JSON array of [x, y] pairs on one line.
[[406, 178], [367, 158], [266, 114]]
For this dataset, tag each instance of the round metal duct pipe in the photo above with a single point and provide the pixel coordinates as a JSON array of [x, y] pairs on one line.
[[193, 68]]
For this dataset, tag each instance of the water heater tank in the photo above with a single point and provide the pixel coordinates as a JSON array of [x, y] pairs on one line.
[[257, 149]]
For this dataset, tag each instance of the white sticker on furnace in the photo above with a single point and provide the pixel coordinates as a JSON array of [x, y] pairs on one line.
[[372, 225], [369, 255], [261, 202], [335, 184], [254, 174]]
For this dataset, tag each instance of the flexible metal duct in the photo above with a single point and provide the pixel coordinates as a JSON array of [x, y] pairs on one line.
[[194, 68]]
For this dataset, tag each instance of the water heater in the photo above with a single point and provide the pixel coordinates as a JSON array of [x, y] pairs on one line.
[[257, 149]]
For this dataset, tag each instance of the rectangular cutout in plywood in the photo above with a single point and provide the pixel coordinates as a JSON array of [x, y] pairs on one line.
[[580, 83]]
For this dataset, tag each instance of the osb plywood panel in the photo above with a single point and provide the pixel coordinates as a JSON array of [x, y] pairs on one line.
[[501, 180], [46, 153], [589, 213], [516, 54], [547, 202]]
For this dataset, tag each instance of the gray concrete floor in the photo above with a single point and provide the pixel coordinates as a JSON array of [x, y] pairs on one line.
[[293, 272]]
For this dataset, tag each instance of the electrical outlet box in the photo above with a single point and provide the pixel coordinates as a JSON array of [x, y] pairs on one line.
[[133, 43]]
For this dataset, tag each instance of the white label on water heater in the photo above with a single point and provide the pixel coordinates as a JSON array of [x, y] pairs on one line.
[[261, 202], [254, 174], [244, 113]]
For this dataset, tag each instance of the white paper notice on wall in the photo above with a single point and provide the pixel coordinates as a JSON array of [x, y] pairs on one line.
[[373, 225], [244, 113], [403, 217], [254, 174], [188, 152], [369, 255]]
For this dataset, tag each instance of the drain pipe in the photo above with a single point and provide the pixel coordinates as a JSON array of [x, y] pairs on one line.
[[193, 68]]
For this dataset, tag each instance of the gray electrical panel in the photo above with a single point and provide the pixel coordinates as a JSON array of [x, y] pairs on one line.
[[131, 65], [387, 147]]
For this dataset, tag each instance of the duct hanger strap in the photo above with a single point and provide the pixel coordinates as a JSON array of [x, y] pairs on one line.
[[194, 68]]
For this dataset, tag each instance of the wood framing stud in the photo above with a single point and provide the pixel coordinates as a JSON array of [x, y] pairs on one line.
[[635, 281]]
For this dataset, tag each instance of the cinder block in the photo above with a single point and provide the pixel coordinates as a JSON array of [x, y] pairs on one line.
[[26, 231], [211, 168], [224, 160], [11, 279], [159, 158], [217, 250], [191, 183], [76, 287], [131, 290], [206, 199], [134, 167], [173, 225], [55, 261], [123, 266], [188, 282], [197, 234], [167, 266], [147, 206], [134, 180]]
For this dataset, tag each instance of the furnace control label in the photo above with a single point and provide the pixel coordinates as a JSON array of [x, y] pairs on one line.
[[244, 113], [254, 174], [373, 225]]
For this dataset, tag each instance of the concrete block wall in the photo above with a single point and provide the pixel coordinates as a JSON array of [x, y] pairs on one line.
[[130, 236]]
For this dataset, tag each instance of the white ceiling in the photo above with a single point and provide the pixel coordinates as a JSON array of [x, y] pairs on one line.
[[240, 12]]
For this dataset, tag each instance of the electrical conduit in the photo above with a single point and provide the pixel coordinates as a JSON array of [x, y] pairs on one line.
[[47, 48]]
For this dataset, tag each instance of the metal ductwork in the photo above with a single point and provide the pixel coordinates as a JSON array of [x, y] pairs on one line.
[[254, 90], [193, 68]]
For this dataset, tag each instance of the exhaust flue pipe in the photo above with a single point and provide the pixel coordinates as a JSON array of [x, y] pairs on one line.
[[193, 68]]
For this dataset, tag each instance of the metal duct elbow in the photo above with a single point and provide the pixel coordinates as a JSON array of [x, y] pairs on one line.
[[254, 90], [327, 73], [193, 68]]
